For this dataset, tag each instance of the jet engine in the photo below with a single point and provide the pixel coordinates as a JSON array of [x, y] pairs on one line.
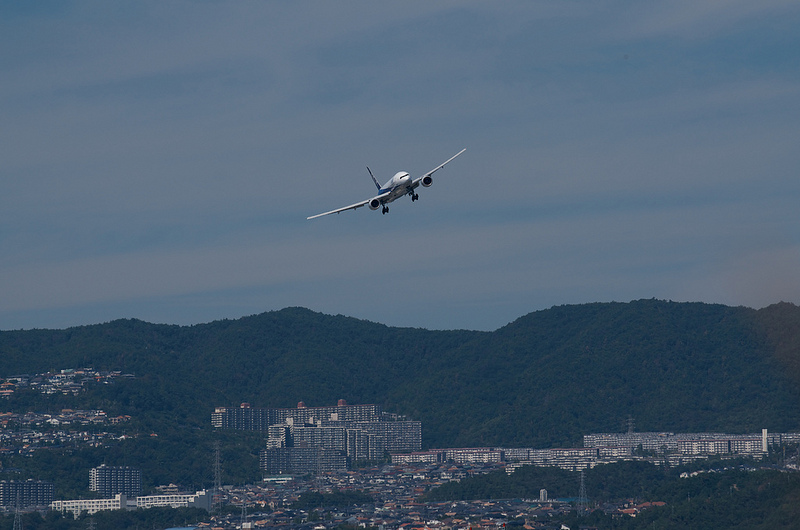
[[427, 180], [374, 204]]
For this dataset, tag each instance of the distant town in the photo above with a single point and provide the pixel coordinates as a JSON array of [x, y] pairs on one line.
[[322, 439], [329, 449], [24, 433], [66, 381]]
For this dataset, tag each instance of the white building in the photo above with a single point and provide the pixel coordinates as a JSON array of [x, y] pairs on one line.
[[427, 457], [200, 499], [90, 506]]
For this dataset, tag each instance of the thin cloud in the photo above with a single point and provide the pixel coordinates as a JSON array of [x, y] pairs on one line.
[[159, 160]]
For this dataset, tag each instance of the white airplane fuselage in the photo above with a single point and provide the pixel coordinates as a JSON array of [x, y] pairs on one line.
[[397, 186]]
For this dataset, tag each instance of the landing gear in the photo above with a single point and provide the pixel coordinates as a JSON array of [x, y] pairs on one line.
[[414, 197], [385, 210]]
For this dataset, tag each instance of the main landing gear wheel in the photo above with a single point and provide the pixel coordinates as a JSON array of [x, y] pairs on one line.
[[414, 197], [385, 210]]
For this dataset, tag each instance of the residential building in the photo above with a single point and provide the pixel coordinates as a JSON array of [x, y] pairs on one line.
[[199, 499], [469, 455], [248, 418], [26, 493], [90, 506], [110, 480], [704, 443], [417, 457], [343, 433], [301, 460]]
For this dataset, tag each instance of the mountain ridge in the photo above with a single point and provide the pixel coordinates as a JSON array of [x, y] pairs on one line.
[[542, 380]]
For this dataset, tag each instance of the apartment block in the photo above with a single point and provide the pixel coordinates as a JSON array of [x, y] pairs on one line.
[[473, 455], [90, 506], [26, 493], [342, 433], [572, 459], [120, 501], [468, 455], [247, 418], [705, 443], [364, 446], [327, 436], [417, 457], [301, 460], [200, 499], [111, 480], [397, 436]]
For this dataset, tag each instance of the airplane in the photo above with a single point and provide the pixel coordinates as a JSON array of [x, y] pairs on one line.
[[399, 185]]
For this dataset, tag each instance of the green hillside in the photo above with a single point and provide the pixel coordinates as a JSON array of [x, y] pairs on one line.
[[542, 381], [553, 375]]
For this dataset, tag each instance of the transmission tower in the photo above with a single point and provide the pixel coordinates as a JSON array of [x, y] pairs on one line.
[[631, 424], [17, 515], [583, 502], [216, 498]]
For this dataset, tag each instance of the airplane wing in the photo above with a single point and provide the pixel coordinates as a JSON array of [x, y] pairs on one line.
[[418, 180], [351, 207]]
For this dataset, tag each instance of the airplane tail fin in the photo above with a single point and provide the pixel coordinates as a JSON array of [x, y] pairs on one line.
[[373, 179]]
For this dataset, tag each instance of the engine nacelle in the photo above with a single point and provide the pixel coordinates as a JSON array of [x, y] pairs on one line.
[[374, 204], [427, 180]]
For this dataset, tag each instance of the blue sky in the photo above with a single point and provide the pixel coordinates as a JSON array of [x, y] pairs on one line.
[[158, 160]]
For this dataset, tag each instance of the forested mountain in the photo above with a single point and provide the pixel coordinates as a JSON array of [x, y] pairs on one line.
[[542, 380]]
